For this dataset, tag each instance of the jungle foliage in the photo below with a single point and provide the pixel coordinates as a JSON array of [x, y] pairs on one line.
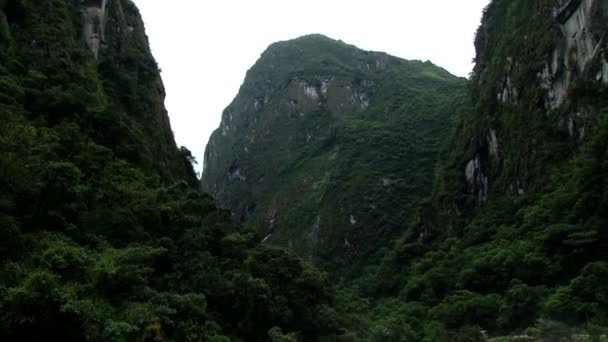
[[104, 234]]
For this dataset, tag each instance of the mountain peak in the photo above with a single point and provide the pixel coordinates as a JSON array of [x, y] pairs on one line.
[[331, 109]]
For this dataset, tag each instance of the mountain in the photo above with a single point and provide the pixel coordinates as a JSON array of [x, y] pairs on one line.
[[514, 237], [505, 236], [490, 198], [327, 148], [131, 117], [104, 233]]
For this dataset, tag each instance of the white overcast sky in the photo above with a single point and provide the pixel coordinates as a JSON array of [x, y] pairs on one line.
[[205, 47]]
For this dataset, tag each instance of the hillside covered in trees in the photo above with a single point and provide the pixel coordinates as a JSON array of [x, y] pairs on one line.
[[512, 237], [361, 197], [327, 149], [104, 235]]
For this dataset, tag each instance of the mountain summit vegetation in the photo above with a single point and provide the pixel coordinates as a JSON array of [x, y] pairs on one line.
[[327, 149], [510, 234], [366, 197], [104, 234]]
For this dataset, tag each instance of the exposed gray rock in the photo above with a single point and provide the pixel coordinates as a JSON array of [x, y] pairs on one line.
[[493, 143], [287, 126], [258, 103], [364, 101], [386, 182], [313, 234], [235, 175], [335, 153], [508, 93], [472, 166], [93, 23], [311, 92], [478, 181], [272, 219], [576, 51]]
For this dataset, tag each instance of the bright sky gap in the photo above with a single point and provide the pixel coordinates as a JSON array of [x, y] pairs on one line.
[[204, 48]]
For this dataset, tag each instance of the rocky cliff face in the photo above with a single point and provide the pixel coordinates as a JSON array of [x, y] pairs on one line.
[[527, 109], [326, 147], [516, 228], [94, 13], [132, 81], [116, 81], [104, 232], [579, 52]]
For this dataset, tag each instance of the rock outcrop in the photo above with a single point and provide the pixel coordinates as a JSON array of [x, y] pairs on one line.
[[94, 21], [580, 49], [526, 81], [326, 147], [514, 238]]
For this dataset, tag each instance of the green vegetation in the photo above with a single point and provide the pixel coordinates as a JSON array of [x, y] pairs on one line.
[[104, 235], [519, 248], [338, 151], [531, 259]]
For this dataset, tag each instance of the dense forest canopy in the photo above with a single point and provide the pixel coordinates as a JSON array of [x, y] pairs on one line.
[[336, 151], [105, 234]]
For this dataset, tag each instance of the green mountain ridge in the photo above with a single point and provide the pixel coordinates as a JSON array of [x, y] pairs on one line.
[[104, 234], [442, 209], [311, 152], [512, 238]]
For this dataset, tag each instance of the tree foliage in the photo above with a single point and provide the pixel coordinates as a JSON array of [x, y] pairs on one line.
[[104, 234]]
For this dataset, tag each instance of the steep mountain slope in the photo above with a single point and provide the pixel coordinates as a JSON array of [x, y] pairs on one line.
[[515, 235], [45, 66], [104, 235], [328, 148]]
